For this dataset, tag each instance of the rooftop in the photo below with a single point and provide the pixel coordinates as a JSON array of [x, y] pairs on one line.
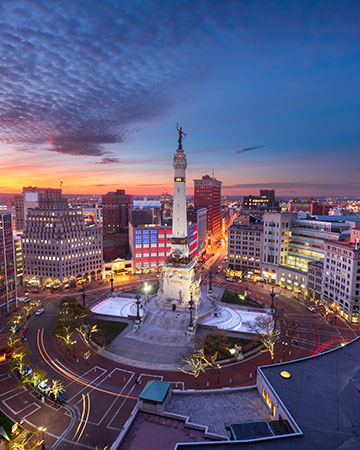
[[155, 391]]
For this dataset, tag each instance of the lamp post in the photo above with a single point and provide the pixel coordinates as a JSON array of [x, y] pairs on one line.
[[191, 307], [147, 289], [112, 282], [138, 318], [83, 294], [43, 429], [272, 295], [210, 282], [73, 344], [218, 372]]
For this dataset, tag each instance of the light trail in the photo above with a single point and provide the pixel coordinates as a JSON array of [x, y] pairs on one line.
[[67, 374], [87, 417], [81, 418], [325, 345], [314, 338]]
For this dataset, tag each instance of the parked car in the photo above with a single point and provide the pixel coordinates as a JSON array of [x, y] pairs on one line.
[[230, 279], [27, 371], [311, 309], [61, 397], [43, 388], [39, 311], [23, 330], [24, 299], [35, 292]]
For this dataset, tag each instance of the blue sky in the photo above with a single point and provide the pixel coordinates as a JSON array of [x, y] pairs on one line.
[[92, 91]]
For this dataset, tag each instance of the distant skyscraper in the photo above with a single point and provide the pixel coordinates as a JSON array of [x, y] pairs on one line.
[[116, 207], [30, 198], [207, 194], [116, 213], [59, 250], [264, 202], [7, 262]]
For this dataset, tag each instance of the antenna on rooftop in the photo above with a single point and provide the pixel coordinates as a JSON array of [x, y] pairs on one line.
[[356, 243], [213, 172]]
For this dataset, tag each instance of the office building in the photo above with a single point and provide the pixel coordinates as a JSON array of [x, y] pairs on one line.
[[116, 213], [315, 276], [207, 194], [341, 279], [146, 212], [264, 202], [151, 244], [244, 248], [198, 216], [30, 198], [7, 263], [318, 209], [59, 250]]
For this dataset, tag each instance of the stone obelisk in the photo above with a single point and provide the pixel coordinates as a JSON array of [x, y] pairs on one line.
[[178, 284]]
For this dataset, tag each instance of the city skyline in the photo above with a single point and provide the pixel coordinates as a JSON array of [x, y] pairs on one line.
[[267, 95]]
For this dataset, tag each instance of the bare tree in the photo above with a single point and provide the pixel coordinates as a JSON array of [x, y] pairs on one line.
[[56, 388], [197, 362], [265, 332]]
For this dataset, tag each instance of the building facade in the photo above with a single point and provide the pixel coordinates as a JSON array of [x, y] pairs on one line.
[[151, 245], [116, 207], [341, 279], [198, 216], [207, 194], [315, 275], [244, 248], [59, 250], [263, 202], [7, 263]]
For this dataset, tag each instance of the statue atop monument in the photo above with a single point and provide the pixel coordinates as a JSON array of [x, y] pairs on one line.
[[181, 134]]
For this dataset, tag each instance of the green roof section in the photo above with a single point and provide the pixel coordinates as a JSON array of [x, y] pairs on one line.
[[155, 391]]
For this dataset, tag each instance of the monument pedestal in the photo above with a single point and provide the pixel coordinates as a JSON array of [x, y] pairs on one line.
[[178, 285]]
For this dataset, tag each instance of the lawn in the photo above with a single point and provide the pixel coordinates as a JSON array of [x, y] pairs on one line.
[[6, 422], [110, 330], [231, 297]]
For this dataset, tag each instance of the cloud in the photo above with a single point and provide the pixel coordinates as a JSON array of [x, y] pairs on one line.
[[151, 184], [249, 149], [75, 78], [108, 160]]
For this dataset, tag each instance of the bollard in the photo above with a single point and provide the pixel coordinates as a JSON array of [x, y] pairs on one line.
[[207, 384], [230, 380]]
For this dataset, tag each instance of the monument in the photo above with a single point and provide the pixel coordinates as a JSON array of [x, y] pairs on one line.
[[178, 284]]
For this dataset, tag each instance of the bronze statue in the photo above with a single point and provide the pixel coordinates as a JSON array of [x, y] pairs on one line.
[[181, 134]]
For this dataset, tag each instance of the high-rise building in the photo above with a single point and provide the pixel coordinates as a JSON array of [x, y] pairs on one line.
[[116, 214], [264, 202], [245, 247], [151, 244], [116, 206], [319, 209], [207, 194], [341, 279], [30, 198], [198, 216], [59, 250], [146, 212], [7, 262]]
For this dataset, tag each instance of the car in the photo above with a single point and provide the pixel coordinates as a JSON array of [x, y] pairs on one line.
[[23, 330], [27, 371], [27, 293], [61, 397], [39, 311], [35, 292], [311, 309], [24, 299], [230, 279], [43, 388]]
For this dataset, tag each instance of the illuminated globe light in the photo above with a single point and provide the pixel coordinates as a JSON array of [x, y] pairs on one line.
[[285, 374]]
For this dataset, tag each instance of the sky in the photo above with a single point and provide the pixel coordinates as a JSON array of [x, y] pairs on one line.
[[268, 93]]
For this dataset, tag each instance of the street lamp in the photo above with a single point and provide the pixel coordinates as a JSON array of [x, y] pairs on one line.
[[43, 430], [272, 295], [147, 289], [191, 307], [218, 372], [83, 294], [138, 318], [210, 282], [112, 282], [73, 344]]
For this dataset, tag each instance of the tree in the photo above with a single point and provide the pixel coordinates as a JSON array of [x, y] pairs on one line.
[[19, 358], [64, 333], [38, 376], [265, 331], [56, 388], [13, 340], [214, 342], [87, 354], [197, 362]]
